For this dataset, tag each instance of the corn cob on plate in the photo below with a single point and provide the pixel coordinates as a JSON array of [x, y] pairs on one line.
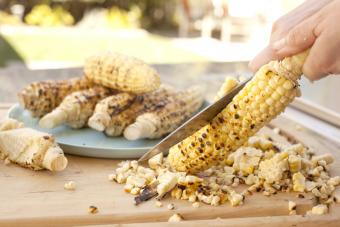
[[86, 141]]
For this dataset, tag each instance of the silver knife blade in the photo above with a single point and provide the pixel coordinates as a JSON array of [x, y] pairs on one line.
[[192, 125]]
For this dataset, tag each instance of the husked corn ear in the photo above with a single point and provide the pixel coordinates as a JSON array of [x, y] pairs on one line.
[[108, 107], [121, 72], [229, 84], [76, 108], [143, 103], [9, 123], [261, 100], [42, 97], [167, 118], [32, 149]]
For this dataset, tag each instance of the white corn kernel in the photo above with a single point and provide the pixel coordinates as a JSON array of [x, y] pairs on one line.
[[171, 206], [320, 209], [71, 185], [175, 218], [156, 161], [291, 205], [112, 177], [196, 205], [158, 204]]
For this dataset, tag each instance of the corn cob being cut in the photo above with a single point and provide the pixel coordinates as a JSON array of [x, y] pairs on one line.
[[142, 104], [76, 108], [41, 98], [229, 84], [108, 107], [121, 72], [273, 87], [31, 148], [165, 119]]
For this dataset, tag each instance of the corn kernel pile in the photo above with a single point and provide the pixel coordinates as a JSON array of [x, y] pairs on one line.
[[261, 164]]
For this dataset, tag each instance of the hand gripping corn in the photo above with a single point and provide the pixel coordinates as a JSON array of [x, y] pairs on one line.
[[273, 87], [31, 149], [41, 98], [146, 102], [121, 72], [108, 107], [165, 119], [76, 108]]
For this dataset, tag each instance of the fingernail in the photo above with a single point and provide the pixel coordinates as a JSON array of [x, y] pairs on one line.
[[279, 44]]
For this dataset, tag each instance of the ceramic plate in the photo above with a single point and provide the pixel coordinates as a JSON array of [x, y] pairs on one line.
[[88, 142]]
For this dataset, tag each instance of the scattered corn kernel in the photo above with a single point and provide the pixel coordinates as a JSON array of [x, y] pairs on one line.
[[175, 218], [71, 185], [92, 210], [196, 205], [171, 206]]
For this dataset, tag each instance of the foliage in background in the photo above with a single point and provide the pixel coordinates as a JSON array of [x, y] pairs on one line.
[[44, 15], [149, 14], [120, 18]]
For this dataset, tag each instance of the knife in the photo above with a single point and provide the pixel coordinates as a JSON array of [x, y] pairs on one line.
[[192, 125]]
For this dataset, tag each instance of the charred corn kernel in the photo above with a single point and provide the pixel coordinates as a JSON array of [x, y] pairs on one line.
[[224, 134], [135, 191], [108, 107], [176, 193], [215, 201], [246, 159], [310, 185], [121, 72], [291, 205], [228, 85], [112, 177], [156, 161], [171, 206], [128, 188], [320, 209], [32, 149], [165, 119], [167, 182], [271, 170], [158, 204], [71, 185], [294, 163], [75, 109], [299, 182], [42, 97], [196, 205], [136, 181], [235, 198], [175, 218], [142, 104], [92, 210]]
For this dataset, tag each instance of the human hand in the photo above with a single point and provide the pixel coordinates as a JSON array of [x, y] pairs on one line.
[[313, 24]]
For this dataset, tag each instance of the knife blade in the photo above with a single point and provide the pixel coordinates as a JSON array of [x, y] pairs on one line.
[[192, 125]]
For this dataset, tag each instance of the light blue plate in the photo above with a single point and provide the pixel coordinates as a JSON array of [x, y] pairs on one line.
[[87, 142]]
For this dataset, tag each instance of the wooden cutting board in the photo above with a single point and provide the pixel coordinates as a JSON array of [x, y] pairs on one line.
[[31, 198]]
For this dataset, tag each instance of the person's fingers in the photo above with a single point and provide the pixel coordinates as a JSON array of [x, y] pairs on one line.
[[265, 56], [320, 60], [297, 40]]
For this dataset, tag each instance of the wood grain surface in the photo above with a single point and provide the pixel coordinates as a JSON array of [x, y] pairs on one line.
[[38, 198]]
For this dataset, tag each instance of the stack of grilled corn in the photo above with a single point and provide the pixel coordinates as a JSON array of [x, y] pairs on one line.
[[114, 92]]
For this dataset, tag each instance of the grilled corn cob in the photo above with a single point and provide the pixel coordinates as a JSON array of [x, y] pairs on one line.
[[31, 149], [165, 119], [9, 123], [108, 107], [121, 72], [41, 98], [143, 103], [229, 84], [273, 87], [75, 109]]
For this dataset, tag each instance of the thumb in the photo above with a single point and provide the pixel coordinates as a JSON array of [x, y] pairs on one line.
[[297, 40]]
